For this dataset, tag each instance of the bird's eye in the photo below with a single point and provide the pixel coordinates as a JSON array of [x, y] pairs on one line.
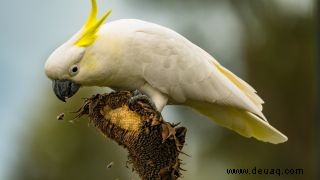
[[74, 70]]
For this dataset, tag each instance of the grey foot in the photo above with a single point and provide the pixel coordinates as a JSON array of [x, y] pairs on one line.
[[136, 93], [138, 96]]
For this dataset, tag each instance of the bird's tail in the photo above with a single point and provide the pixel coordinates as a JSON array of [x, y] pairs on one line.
[[241, 121]]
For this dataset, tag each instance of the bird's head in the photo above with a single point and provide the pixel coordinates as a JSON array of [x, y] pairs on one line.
[[63, 66]]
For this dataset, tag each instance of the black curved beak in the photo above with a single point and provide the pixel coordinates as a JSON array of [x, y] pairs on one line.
[[64, 89]]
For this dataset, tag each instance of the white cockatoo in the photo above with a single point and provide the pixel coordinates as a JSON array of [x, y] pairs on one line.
[[136, 55]]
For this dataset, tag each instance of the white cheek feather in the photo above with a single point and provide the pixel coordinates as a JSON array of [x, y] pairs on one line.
[[59, 62]]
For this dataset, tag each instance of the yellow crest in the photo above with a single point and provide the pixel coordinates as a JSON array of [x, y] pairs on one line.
[[92, 26]]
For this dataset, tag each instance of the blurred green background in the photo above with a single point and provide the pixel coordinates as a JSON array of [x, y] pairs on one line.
[[269, 43]]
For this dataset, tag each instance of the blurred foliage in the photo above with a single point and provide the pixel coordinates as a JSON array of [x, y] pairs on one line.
[[279, 50], [68, 149], [280, 56]]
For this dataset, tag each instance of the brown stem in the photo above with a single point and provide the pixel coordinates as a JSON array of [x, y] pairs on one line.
[[153, 144]]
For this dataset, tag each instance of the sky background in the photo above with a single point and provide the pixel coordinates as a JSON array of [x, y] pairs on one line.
[[31, 30]]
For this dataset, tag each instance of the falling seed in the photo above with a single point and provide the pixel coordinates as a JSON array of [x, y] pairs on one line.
[[110, 165], [60, 116]]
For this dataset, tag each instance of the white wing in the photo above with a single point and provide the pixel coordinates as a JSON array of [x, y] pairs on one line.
[[188, 75], [184, 71]]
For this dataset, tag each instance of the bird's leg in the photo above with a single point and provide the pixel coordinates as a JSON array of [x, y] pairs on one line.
[[159, 100]]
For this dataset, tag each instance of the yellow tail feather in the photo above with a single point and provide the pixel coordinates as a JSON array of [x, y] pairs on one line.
[[243, 86], [240, 121]]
